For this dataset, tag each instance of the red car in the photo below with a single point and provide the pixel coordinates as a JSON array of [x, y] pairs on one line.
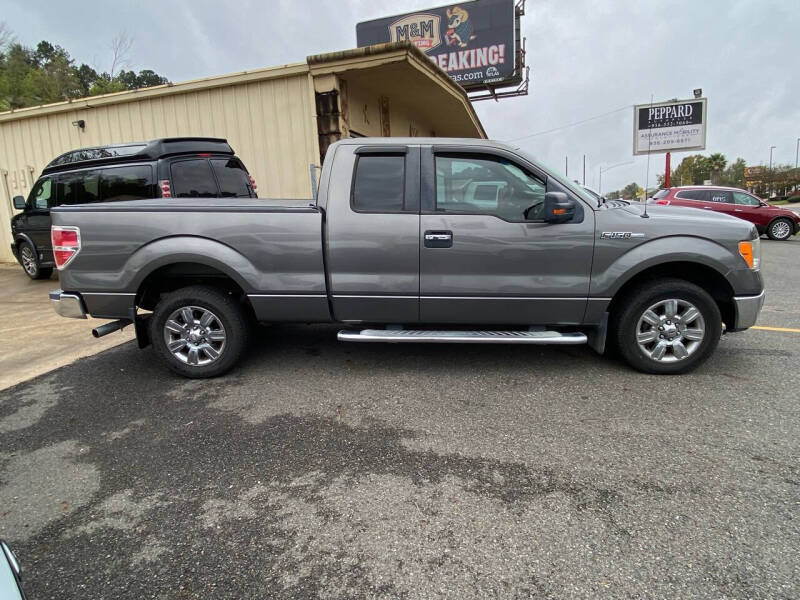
[[777, 223]]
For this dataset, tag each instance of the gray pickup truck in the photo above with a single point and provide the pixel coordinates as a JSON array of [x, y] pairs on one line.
[[413, 240]]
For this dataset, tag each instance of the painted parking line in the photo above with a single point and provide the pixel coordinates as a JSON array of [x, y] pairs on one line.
[[785, 329]]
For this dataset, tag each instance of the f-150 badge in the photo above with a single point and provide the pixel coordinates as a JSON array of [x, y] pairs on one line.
[[620, 235]]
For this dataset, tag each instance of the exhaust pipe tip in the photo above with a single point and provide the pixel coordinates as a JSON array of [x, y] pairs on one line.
[[111, 327]]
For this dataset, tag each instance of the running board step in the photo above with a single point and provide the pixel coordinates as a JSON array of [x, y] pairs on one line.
[[462, 337]]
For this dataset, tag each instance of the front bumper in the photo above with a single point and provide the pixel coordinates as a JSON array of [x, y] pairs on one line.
[[68, 305], [747, 310]]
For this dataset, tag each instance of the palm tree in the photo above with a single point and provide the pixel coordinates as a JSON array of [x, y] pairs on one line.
[[716, 164]]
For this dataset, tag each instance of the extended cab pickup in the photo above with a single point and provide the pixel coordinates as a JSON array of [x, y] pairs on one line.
[[414, 240]]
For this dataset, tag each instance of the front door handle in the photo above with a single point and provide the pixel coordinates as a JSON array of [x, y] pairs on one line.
[[737, 210], [438, 239], [708, 208]]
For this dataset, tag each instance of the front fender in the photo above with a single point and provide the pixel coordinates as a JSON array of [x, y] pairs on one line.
[[612, 269]]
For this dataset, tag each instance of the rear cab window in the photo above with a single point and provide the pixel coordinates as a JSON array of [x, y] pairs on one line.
[[379, 183]]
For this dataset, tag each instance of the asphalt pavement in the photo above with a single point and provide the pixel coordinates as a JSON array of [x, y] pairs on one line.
[[320, 469]]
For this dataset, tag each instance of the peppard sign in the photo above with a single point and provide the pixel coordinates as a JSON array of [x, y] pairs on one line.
[[669, 126], [474, 42]]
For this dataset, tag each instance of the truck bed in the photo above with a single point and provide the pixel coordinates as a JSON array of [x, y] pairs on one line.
[[272, 248]]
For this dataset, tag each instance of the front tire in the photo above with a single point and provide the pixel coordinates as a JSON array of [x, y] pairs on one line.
[[667, 327], [30, 263], [780, 230], [198, 331]]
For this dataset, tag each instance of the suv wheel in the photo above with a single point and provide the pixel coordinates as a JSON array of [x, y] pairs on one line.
[[780, 229], [668, 327], [198, 331], [30, 263]]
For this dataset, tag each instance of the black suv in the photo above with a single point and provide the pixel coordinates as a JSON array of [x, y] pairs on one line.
[[166, 168]]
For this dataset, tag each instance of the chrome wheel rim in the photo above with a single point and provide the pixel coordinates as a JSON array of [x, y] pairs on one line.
[[195, 336], [670, 331], [28, 260], [780, 230]]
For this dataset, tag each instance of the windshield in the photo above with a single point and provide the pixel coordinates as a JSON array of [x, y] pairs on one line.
[[570, 185]]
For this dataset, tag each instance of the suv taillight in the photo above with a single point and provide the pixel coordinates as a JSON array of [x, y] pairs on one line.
[[163, 185], [662, 202], [66, 244], [253, 182]]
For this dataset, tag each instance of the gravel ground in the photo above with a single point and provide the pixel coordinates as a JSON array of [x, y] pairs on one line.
[[326, 470]]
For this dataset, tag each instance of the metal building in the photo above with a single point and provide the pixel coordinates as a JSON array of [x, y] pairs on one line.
[[279, 120]]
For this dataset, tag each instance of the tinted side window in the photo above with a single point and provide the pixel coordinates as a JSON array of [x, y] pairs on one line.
[[232, 178], [745, 199], [487, 185], [41, 195], [80, 187], [193, 179], [126, 183], [701, 195], [379, 183], [721, 196]]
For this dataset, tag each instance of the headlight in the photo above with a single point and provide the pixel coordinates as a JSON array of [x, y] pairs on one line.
[[751, 252]]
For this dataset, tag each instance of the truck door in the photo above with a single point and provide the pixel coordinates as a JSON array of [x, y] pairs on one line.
[[372, 234], [482, 260]]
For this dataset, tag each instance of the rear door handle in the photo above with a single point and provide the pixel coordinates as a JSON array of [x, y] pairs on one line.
[[708, 208], [737, 210], [438, 239]]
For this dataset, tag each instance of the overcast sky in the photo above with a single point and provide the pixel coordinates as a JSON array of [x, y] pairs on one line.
[[587, 57]]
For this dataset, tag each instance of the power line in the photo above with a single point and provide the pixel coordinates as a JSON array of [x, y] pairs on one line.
[[611, 112]]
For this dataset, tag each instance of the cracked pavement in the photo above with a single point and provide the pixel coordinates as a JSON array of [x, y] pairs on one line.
[[325, 470]]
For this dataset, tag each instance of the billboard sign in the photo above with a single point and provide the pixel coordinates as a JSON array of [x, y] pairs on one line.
[[669, 126], [474, 42]]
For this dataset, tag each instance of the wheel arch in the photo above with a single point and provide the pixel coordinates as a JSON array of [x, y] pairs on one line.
[[700, 274]]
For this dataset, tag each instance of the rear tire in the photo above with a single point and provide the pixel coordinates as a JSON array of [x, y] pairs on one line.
[[780, 230], [30, 263], [198, 331], [665, 327]]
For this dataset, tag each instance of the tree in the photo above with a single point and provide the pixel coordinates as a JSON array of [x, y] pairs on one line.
[[716, 164], [630, 191], [47, 73], [733, 176]]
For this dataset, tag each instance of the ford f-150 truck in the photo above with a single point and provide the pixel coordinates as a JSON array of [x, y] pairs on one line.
[[413, 240]]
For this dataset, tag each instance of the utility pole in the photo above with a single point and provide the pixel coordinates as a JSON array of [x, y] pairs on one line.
[[797, 153], [771, 178], [667, 171], [584, 168], [566, 166]]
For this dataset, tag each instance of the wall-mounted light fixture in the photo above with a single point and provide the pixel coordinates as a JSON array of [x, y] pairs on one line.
[[698, 92], [80, 124]]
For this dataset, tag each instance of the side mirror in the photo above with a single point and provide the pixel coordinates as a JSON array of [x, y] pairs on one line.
[[762, 203], [19, 202], [10, 574], [558, 207]]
